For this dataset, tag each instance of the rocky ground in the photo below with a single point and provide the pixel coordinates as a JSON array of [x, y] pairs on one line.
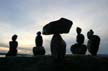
[[47, 63]]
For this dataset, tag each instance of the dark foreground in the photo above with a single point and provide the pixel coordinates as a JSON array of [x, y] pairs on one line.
[[46, 63]]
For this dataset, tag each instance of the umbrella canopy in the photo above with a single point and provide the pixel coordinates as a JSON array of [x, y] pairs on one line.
[[60, 26]]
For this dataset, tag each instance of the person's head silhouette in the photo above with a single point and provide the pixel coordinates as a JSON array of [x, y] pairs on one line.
[[14, 37], [78, 30]]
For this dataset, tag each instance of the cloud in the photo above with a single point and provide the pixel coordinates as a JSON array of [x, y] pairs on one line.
[[3, 45]]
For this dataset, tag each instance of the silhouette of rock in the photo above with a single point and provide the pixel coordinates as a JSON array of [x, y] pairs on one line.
[[93, 43], [78, 30], [80, 39], [58, 47], [39, 49], [60, 26], [13, 46], [79, 47], [38, 40]]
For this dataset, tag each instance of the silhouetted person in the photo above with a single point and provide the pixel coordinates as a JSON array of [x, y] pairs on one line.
[[39, 49], [93, 42], [58, 47], [79, 47], [13, 46]]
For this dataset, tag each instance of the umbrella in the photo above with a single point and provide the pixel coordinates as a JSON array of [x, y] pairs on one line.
[[60, 26]]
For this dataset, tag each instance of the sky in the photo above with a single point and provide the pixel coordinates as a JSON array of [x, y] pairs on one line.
[[26, 17]]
